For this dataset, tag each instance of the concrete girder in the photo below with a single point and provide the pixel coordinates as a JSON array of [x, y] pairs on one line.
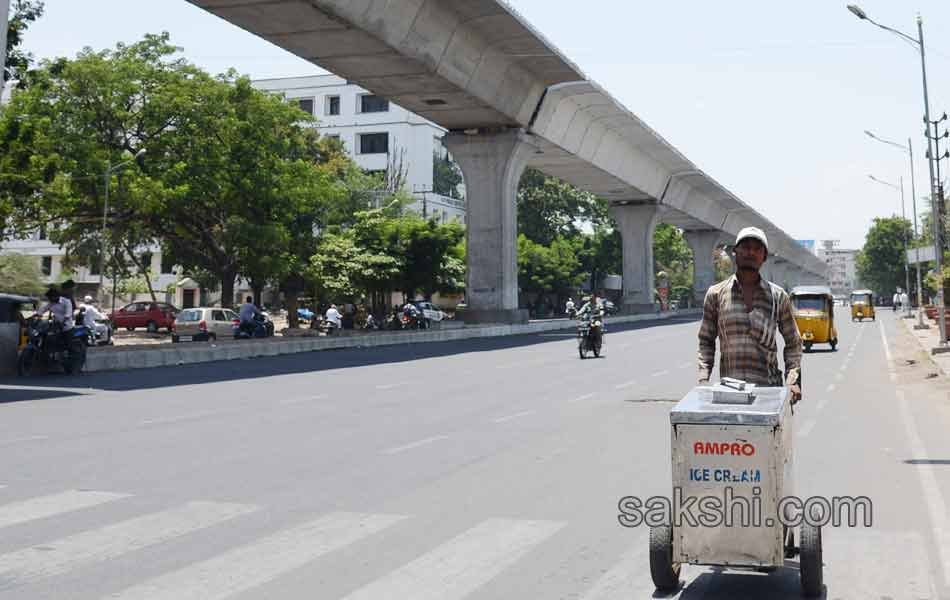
[[459, 63]]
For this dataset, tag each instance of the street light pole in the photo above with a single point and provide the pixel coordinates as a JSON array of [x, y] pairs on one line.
[[907, 314], [919, 43], [4, 20], [900, 188], [107, 182], [909, 149]]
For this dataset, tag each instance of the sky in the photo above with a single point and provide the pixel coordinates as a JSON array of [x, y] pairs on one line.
[[770, 99]]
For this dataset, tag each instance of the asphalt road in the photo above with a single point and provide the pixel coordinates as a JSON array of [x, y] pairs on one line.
[[478, 469]]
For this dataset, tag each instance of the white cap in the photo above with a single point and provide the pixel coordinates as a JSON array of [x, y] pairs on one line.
[[754, 233], [87, 299]]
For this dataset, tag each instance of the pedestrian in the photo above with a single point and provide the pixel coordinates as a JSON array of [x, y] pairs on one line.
[[896, 301], [744, 312], [569, 309], [905, 301]]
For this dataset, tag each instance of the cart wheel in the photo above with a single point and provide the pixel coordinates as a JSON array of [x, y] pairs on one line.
[[834, 345], [789, 536], [665, 573], [807, 346], [810, 561]]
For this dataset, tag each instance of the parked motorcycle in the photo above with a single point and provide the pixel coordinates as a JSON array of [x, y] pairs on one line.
[[412, 318], [48, 345], [590, 336]]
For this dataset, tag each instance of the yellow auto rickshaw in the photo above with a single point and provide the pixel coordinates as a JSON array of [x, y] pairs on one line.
[[813, 307], [862, 305]]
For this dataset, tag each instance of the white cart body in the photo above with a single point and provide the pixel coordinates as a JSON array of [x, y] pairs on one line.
[[747, 447]]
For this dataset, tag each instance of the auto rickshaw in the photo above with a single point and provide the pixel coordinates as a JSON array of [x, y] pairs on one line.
[[862, 305], [814, 310]]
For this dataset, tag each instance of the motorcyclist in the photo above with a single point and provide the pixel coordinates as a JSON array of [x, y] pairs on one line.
[[59, 306], [412, 311], [61, 310], [91, 317], [569, 309], [248, 313], [594, 307]]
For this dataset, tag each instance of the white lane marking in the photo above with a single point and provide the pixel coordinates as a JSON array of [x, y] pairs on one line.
[[830, 388], [624, 577], [422, 442], [390, 386], [31, 438], [581, 398], [839, 376], [257, 563], [53, 504], [936, 504], [514, 416], [290, 401], [99, 545], [180, 418], [806, 428], [685, 366], [887, 350], [821, 404], [458, 567], [660, 373], [621, 386]]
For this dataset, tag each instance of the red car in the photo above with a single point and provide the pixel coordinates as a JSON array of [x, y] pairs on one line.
[[150, 315]]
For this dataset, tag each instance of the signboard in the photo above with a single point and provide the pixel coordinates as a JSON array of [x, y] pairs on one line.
[[807, 244], [925, 254]]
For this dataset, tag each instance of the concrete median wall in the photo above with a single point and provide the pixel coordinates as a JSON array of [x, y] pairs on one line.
[[117, 358]]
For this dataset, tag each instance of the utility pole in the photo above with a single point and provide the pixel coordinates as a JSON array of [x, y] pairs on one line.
[[933, 160], [4, 25]]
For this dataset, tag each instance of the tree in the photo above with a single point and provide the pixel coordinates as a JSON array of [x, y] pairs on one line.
[[672, 255], [23, 13], [446, 176], [21, 274], [880, 263], [228, 169], [552, 268], [549, 208]]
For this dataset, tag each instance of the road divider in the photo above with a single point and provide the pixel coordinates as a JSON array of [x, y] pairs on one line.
[[170, 355]]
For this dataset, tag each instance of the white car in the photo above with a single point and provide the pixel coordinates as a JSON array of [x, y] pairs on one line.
[[430, 311]]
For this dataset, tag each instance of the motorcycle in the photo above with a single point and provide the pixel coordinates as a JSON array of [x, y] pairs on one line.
[[260, 327], [412, 319], [48, 345], [590, 336]]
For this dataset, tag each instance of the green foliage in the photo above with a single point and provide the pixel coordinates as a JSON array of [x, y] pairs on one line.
[[22, 14], [20, 274], [548, 268], [382, 252], [880, 263], [672, 255], [231, 182], [549, 208], [446, 176]]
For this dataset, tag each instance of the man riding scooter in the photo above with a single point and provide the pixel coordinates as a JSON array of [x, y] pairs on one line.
[[248, 314]]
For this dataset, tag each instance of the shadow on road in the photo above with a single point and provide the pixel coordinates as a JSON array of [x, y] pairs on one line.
[[13, 389]]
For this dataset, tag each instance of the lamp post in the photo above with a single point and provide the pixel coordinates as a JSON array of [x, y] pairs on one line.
[[107, 181], [909, 149], [900, 188], [4, 19], [919, 44]]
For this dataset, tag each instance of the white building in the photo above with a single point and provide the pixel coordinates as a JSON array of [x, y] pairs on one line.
[[842, 271], [376, 133]]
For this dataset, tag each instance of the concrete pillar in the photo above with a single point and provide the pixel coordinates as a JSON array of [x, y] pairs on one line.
[[637, 222], [492, 164], [703, 243], [779, 271]]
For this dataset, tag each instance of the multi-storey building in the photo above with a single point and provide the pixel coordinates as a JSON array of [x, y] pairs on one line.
[[378, 134]]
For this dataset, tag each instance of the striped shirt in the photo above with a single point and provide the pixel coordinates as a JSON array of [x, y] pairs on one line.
[[748, 348]]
